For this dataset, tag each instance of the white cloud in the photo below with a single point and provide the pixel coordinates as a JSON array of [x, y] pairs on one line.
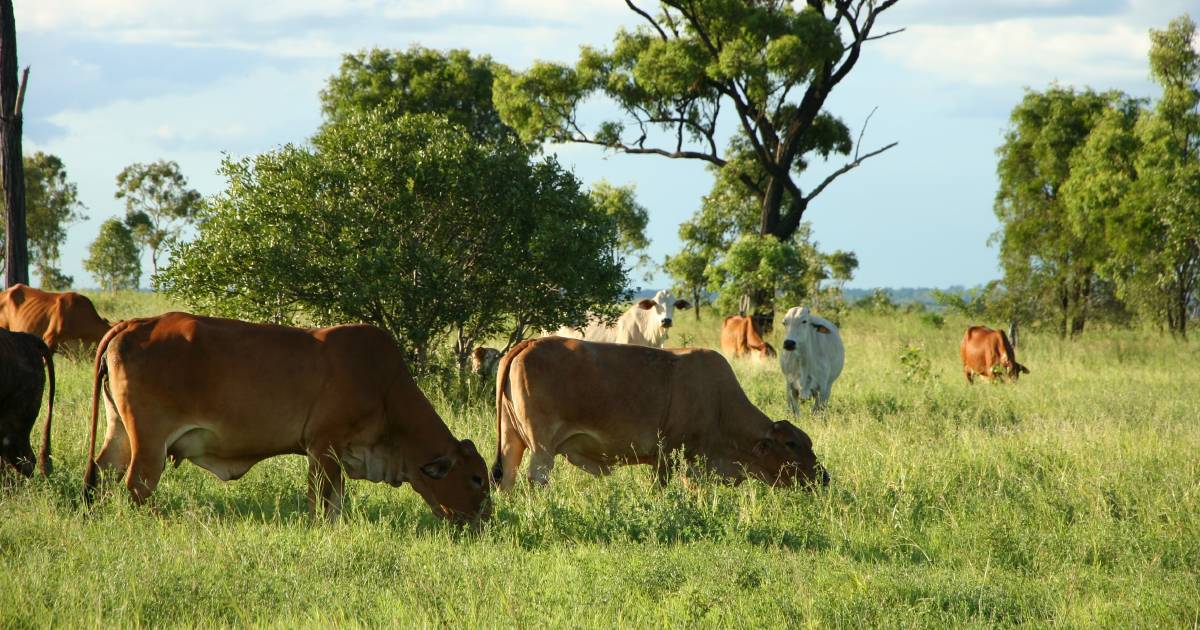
[[1100, 52]]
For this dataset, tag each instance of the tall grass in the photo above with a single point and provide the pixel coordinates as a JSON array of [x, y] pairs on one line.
[[1071, 499]]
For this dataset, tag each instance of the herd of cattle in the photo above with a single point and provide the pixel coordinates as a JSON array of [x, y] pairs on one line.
[[226, 394]]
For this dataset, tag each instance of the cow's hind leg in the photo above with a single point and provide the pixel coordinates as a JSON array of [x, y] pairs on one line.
[[145, 468], [115, 454], [510, 451]]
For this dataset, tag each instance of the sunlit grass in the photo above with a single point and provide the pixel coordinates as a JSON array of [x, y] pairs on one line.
[[1071, 499]]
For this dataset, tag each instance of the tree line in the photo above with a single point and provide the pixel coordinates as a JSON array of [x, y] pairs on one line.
[[1099, 199], [424, 204]]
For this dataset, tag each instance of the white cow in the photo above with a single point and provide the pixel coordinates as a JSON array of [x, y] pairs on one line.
[[812, 357], [644, 324]]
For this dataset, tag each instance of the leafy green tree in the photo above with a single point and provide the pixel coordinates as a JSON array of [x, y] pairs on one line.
[[631, 217], [417, 81], [688, 268], [158, 204], [756, 264], [51, 205], [407, 223], [769, 64], [1050, 266], [113, 257], [1163, 206]]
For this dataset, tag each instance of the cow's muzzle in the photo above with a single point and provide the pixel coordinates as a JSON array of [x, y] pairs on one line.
[[666, 323], [788, 344]]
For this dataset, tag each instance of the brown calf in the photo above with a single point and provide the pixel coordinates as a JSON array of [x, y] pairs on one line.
[[740, 338]]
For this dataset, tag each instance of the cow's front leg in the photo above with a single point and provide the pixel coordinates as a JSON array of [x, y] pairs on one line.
[[793, 398], [326, 487], [541, 463]]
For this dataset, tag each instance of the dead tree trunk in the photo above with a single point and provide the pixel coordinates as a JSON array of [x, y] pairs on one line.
[[12, 94]]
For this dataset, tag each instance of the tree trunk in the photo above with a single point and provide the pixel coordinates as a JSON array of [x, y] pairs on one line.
[[696, 301], [12, 93]]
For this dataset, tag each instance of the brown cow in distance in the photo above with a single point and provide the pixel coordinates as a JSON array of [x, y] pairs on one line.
[[605, 404], [985, 352], [225, 395], [740, 338], [55, 317]]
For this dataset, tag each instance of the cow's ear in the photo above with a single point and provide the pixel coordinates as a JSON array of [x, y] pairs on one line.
[[1024, 370], [468, 446], [822, 328], [646, 305], [683, 304], [438, 468], [762, 446]]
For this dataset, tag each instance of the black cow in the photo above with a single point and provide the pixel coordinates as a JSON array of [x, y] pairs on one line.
[[21, 383]]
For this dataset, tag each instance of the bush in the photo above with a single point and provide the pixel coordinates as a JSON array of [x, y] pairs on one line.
[[405, 223]]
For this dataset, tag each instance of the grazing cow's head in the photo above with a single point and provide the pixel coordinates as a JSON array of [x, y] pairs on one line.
[[799, 328], [15, 450], [784, 456], [455, 484], [1008, 359], [662, 311]]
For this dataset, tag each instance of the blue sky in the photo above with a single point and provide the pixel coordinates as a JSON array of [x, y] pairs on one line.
[[120, 81]]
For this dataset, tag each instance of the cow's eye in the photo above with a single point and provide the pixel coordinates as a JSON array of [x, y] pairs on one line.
[[792, 444], [477, 480]]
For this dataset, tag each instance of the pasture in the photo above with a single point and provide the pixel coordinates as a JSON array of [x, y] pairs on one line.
[[1071, 499]]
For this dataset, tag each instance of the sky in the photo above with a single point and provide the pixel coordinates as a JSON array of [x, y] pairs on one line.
[[114, 82]]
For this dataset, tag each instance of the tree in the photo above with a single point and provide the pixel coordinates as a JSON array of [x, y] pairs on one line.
[[12, 97], [53, 204], [631, 217], [1164, 202], [417, 81], [158, 204], [773, 64], [407, 223], [688, 268], [1051, 266], [113, 257], [756, 264]]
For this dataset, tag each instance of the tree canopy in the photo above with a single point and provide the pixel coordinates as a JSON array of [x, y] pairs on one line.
[[770, 63], [113, 257], [158, 204], [407, 223], [419, 80], [51, 205]]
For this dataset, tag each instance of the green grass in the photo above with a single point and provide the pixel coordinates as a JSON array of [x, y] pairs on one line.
[[1069, 500]]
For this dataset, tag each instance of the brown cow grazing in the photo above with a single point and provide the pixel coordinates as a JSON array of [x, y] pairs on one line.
[[985, 352], [740, 338], [603, 404], [21, 384], [55, 317], [226, 394]]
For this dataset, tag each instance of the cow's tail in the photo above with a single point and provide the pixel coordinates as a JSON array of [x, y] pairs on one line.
[[99, 373], [44, 457], [504, 406]]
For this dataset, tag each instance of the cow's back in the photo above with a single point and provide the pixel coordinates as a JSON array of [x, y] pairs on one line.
[[223, 374], [594, 384], [25, 309], [981, 349]]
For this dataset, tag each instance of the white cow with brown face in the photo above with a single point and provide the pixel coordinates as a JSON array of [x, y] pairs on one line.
[[644, 324], [812, 357]]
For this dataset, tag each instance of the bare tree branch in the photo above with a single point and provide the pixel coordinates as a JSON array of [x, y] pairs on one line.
[[648, 18], [849, 166]]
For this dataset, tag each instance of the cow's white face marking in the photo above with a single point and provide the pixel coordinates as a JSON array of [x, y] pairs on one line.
[[799, 329], [664, 307]]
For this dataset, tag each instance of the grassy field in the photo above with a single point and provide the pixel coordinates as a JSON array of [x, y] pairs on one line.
[[1069, 500]]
